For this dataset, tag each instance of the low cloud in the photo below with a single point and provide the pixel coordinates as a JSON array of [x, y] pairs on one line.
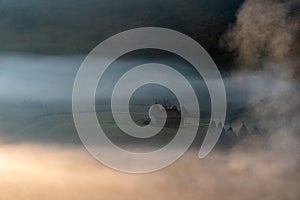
[[51, 172], [265, 30]]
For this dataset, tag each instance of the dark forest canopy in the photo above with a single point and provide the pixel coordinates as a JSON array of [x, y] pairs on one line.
[[76, 26]]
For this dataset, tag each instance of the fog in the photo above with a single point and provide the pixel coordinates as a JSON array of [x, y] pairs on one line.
[[54, 172], [264, 167], [266, 30], [41, 156], [41, 77], [50, 78]]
